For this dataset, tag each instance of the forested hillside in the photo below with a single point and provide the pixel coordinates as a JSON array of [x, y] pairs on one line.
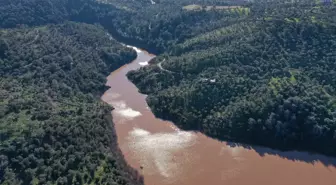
[[159, 26], [266, 71], [53, 128], [155, 27], [234, 70]]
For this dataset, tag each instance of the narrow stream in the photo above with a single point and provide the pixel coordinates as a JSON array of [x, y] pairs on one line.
[[166, 155]]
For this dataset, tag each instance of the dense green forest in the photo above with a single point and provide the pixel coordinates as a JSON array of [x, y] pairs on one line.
[[266, 72], [53, 128], [155, 27], [232, 69]]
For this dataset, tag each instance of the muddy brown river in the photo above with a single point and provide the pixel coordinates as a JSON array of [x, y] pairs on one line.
[[166, 155]]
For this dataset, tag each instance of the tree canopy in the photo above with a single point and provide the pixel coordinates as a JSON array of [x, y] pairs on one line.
[[234, 70], [53, 128], [265, 72]]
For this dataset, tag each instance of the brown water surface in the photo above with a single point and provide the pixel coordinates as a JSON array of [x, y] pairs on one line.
[[166, 155]]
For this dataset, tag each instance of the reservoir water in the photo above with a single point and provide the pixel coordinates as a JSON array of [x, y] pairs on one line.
[[165, 155]]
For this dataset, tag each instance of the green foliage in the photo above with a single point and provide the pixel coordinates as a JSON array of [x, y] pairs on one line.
[[154, 27], [53, 129], [263, 69], [266, 74]]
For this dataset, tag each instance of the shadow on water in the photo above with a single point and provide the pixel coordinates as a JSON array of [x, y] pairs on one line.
[[296, 156], [293, 155]]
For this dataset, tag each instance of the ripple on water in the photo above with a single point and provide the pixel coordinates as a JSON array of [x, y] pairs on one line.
[[123, 111], [143, 63], [156, 151]]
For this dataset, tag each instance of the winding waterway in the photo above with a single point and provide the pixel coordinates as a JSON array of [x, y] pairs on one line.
[[166, 155]]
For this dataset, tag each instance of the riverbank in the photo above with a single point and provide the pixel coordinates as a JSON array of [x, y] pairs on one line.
[[166, 155]]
